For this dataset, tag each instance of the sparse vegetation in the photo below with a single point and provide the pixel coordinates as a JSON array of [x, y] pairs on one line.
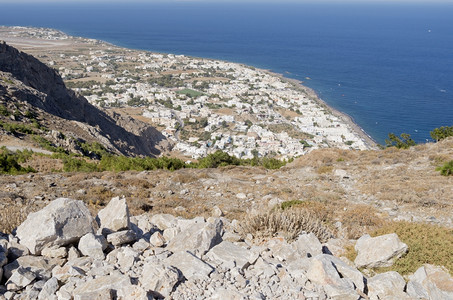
[[289, 223], [428, 244], [9, 162], [16, 128], [441, 133], [403, 142], [446, 169]]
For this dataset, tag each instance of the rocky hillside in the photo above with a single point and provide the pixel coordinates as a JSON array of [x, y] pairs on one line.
[[28, 86], [62, 252]]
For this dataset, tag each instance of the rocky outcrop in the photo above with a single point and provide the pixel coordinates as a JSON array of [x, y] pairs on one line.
[[378, 252], [62, 222], [195, 263], [45, 90]]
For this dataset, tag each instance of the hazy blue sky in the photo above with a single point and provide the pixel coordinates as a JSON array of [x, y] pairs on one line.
[[224, 1]]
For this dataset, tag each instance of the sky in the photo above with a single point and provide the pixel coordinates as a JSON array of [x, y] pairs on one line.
[[224, 1]]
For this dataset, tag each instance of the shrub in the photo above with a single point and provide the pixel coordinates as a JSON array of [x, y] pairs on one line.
[[446, 169], [289, 222], [428, 244], [289, 204], [441, 133], [71, 164], [403, 142], [4, 111], [16, 128], [218, 159], [9, 163]]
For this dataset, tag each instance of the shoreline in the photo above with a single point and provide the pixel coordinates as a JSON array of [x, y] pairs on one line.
[[297, 84], [342, 115]]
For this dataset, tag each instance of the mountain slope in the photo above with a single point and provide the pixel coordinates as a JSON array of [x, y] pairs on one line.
[[44, 90]]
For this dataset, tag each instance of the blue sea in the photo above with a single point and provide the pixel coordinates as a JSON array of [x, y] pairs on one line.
[[389, 66]]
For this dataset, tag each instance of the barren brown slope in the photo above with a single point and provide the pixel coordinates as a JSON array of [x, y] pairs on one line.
[[354, 187]]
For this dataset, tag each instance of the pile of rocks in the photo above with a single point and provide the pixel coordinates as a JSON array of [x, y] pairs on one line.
[[61, 252]]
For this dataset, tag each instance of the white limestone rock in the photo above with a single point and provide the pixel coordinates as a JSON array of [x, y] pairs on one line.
[[92, 245], [198, 238], [114, 217], [19, 279], [49, 289], [102, 286], [55, 252], [159, 279], [157, 239], [190, 265], [62, 274], [380, 251], [121, 237], [40, 266], [230, 255], [322, 271], [430, 282], [389, 285], [164, 221], [60, 223]]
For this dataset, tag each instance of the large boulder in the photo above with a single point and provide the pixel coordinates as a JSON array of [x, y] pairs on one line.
[[389, 285], [159, 279], [61, 222], [190, 265], [380, 251], [114, 217], [430, 282], [101, 286], [230, 255], [323, 271], [198, 238]]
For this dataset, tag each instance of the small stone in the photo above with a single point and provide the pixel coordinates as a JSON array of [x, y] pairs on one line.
[[67, 271], [217, 212], [157, 240], [20, 278], [55, 252], [49, 289], [93, 246], [121, 237]]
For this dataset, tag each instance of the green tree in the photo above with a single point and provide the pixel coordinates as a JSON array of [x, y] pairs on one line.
[[441, 133], [403, 142]]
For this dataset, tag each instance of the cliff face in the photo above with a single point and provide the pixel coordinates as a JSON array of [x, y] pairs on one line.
[[50, 94]]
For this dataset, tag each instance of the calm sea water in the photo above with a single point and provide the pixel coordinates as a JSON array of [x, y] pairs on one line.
[[389, 66]]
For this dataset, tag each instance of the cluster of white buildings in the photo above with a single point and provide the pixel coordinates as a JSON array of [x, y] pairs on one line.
[[239, 105]]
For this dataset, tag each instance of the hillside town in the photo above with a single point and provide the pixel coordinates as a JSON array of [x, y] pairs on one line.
[[201, 105]]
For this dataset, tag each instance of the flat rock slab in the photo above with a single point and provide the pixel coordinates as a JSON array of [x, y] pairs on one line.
[[61, 222], [231, 255], [190, 265], [380, 251], [100, 286], [198, 238]]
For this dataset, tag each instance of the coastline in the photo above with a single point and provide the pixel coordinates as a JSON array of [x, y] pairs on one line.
[[369, 141], [296, 84]]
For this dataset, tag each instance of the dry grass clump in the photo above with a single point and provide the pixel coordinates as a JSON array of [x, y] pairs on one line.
[[360, 219], [428, 244], [12, 216], [289, 223]]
